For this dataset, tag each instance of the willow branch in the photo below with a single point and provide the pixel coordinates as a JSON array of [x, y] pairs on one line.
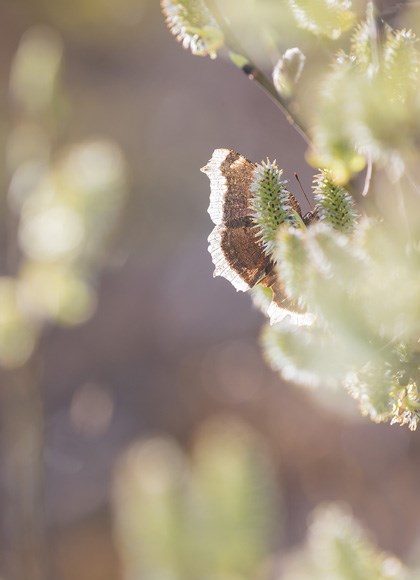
[[252, 71]]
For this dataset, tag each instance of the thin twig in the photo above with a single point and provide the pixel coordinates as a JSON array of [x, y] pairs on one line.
[[255, 74]]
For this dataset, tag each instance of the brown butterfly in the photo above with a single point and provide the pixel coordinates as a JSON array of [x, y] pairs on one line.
[[235, 247]]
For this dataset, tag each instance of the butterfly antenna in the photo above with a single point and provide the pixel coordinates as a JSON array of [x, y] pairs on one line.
[[303, 191]]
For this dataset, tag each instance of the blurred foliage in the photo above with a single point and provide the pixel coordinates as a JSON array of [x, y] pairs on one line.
[[64, 204], [330, 19], [210, 517], [98, 22], [18, 332], [369, 103], [338, 548], [363, 338]]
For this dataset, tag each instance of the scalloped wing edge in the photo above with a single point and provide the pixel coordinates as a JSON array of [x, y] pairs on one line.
[[218, 184], [222, 267]]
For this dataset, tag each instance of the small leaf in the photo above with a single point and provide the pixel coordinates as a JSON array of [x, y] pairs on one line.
[[287, 71]]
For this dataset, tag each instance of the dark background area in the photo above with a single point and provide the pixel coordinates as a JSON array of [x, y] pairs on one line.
[[170, 346]]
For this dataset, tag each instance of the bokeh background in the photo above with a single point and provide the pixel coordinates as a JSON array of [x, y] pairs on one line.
[[168, 347]]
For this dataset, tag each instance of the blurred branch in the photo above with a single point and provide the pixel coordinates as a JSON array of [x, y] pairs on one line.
[[22, 442]]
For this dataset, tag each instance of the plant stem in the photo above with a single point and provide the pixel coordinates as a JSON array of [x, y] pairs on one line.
[[255, 74], [22, 443], [252, 71]]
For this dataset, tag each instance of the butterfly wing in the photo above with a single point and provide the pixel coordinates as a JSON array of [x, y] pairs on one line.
[[234, 246]]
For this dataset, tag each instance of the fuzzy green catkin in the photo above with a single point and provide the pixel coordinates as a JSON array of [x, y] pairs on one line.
[[362, 44], [334, 204], [292, 257], [401, 64], [193, 25], [348, 551], [322, 17], [388, 389], [302, 354], [273, 204]]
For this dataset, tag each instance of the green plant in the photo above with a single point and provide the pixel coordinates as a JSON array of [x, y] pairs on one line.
[[338, 547], [203, 517], [351, 269], [214, 514]]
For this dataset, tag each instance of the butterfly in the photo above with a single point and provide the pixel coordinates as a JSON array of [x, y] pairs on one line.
[[234, 244]]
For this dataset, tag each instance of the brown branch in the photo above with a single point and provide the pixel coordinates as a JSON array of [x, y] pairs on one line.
[[255, 74]]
